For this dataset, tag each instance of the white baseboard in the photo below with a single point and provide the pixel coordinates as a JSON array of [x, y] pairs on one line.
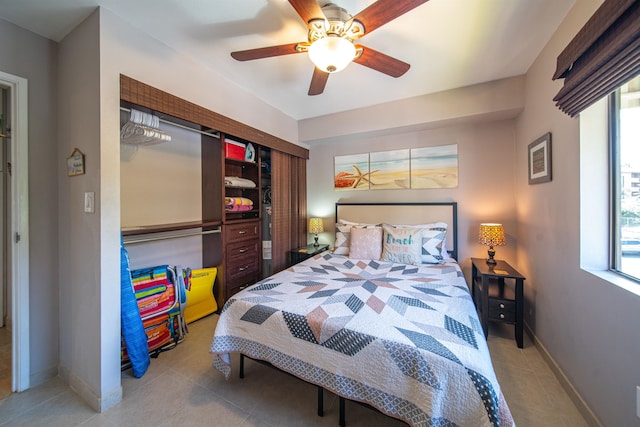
[[42, 376], [98, 404]]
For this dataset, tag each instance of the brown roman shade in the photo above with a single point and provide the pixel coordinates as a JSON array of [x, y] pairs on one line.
[[601, 57]]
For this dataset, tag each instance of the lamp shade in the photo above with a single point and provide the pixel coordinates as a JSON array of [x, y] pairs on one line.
[[332, 53], [492, 235], [315, 225]]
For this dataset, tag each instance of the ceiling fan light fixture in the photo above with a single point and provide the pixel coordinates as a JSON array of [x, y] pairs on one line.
[[332, 53]]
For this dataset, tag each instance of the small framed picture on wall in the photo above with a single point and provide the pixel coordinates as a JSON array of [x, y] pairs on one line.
[[539, 159]]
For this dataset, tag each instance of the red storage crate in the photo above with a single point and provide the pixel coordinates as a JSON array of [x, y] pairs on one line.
[[234, 150]]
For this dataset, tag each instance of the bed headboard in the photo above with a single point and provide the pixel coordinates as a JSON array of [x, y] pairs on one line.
[[405, 213]]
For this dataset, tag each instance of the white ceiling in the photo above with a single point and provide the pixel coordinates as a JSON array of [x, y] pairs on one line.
[[449, 43]]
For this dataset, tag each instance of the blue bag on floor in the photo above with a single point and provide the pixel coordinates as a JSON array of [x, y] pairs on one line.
[[133, 333]]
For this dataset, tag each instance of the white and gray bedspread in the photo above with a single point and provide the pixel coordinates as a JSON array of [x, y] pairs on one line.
[[402, 338]]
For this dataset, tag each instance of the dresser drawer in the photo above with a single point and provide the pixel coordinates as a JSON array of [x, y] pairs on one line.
[[234, 289], [242, 250], [243, 231], [501, 309], [238, 269]]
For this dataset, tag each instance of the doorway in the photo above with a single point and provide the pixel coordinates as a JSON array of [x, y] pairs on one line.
[[14, 233]]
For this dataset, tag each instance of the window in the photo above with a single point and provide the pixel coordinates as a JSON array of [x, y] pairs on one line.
[[625, 159]]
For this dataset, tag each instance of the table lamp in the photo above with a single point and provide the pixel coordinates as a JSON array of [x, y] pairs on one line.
[[315, 227], [491, 235]]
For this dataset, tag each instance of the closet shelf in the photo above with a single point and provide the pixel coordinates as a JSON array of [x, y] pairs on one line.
[[160, 228]]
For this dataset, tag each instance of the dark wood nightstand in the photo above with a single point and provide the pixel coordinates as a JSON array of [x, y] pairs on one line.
[[300, 254], [495, 298]]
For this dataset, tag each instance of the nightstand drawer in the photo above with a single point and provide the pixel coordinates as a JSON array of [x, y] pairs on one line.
[[500, 309]]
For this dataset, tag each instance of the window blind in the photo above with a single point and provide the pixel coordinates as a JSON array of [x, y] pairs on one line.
[[601, 57]]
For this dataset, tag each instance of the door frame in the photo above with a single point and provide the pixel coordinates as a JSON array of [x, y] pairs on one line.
[[19, 230]]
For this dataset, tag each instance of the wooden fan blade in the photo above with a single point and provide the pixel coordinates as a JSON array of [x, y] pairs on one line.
[[265, 52], [381, 62], [383, 11], [318, 82], [307, 9]]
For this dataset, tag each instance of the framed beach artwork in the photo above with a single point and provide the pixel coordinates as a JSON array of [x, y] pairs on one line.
[[434, 167], [351, 172], [389, 170], [539, 161]]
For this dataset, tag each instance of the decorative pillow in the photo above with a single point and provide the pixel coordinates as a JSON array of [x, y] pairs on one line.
[[343, 234], [429, 256], [432, 245], [366, 243], [403, 245], [343, 237]]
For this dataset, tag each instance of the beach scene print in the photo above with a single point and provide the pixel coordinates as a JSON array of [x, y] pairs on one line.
[[389, 170], [351, 172], [434, 167], [427, 167]]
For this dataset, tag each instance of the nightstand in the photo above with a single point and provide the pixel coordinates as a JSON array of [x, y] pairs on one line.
[[300, 254], [498, 293]]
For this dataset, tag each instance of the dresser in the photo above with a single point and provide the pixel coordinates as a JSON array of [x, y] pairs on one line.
[[242, 256]]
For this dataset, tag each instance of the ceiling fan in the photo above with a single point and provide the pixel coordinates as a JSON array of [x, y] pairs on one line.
[[332, 35]]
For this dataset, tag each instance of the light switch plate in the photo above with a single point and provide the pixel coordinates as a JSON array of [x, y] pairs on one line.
[[89, 199]]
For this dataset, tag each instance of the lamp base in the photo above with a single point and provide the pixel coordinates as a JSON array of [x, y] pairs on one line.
[[315, 243], [491, 254]]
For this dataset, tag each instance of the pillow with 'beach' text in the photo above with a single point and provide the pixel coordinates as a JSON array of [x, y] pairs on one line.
[[402, 245]]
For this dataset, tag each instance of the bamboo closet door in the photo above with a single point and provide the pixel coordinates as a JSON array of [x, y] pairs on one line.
[[289, 202]]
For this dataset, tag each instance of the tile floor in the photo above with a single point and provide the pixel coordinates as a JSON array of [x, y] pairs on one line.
[[182, 388]]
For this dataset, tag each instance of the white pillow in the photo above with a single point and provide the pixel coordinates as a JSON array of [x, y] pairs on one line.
[[402, 245], [366, 243]]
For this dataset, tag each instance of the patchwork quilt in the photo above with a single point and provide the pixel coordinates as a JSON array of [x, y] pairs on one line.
[[405, 339]]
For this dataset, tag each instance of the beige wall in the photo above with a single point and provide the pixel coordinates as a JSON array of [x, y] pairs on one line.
[[482, 196], [90, 289], [34, 58], [486, 158], [588, 325]]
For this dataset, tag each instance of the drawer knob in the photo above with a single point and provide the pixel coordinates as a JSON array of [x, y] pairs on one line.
[[243, 250], [242, 232], [501, 305], [501, 316], [243, 268]]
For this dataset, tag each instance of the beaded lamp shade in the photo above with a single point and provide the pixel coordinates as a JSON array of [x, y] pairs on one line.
[[491, 235], [315, 227]]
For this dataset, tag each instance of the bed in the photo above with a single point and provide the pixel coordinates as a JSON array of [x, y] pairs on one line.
[[400, 335]]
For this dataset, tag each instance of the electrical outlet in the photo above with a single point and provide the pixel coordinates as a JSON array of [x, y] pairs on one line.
[[638, 401], [89, 199]]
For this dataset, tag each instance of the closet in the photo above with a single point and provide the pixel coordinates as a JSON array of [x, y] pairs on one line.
[[244, 244]]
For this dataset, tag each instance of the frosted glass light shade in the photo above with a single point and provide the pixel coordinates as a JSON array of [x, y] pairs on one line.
[[332, 54]]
